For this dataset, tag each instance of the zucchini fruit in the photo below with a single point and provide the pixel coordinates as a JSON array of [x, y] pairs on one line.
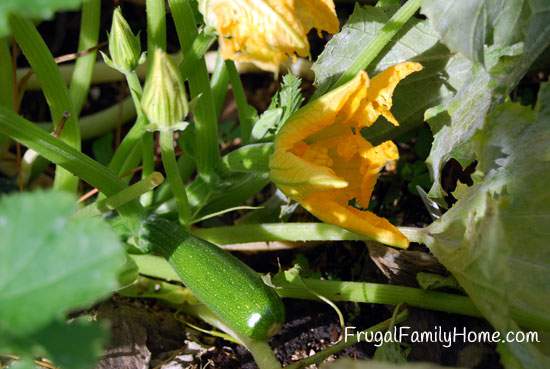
[[227, 286]]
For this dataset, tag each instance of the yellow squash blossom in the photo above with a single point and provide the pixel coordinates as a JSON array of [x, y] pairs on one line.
[[322, 161], [267, 32]]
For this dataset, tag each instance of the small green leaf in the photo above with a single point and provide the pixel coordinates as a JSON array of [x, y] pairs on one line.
[[432, 281], [51, 262], [39, 9], [285, 102], [391, 352]]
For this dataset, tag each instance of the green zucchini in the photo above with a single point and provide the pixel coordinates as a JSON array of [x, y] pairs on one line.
[[227, 286]]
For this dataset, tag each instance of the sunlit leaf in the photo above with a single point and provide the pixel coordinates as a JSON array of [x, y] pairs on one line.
[[495, 238], [465, 26], [51, 262], [443, 72]]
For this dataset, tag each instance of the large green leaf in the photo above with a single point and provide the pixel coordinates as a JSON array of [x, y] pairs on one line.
[[442, 75], [495, 238], [456, 121], [35, 9], [50, 261], [466, 26], [75, 345]]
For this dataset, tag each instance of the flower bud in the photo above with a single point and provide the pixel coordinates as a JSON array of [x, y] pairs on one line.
[[124, 46], [164, 101]]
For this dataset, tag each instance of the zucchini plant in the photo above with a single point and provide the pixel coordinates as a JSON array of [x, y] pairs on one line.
[[315, 164]]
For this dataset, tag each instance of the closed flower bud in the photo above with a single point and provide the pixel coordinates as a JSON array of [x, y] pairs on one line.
[[124, 46], [164, 101]]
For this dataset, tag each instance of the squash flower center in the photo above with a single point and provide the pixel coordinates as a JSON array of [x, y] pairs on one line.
[[322, 161]]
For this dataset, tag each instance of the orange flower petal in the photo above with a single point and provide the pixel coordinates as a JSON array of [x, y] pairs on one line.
[[267, 32], [361, 222]]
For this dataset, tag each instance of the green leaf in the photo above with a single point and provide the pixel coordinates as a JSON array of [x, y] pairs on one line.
[[495, 238], [76, 345], [455, 122], [391, 352], [51, 262], [285, 102], [432, 281], [290, 95], [465, 26], [35, 9], [442, 75]]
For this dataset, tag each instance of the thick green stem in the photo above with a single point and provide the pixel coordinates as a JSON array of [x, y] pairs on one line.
[[6, 70], [57, 95], [219, 83], [84, 66], [262, 353], [6, 92], [246, 112], [383, 37], [276, 232], [375, 293], [172, 174], [196, 52], [205, 117], [156, 26]]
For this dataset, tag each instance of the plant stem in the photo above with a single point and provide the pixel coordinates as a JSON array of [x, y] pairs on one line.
[[171, 294], [246, 112], [130, 193], [128, 144], [84, 66], [382, 38], [343, 344], [126, 148], [66, 157], [375, 293], [147, 163], [57, 95], [205, 117], [6, 70], [135, 89], [6, 92], [196, 52], [156, 27], [262, 353], [173, 176], [219, 83], [276, 232]]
